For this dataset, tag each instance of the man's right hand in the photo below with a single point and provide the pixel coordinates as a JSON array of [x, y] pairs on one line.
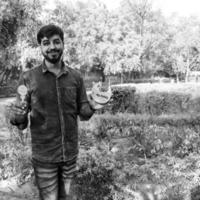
[[18, 108], [18, 111]]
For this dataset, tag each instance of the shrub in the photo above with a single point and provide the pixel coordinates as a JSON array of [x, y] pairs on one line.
[[124, 150], [121, 100], [135, 141], [8, 91], [16, 152], [157, 103], [146, 135], [154, 102], [195, 193], [16, 160], [95, 176]]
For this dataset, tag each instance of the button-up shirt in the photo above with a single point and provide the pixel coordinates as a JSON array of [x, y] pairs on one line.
[[54, 103]]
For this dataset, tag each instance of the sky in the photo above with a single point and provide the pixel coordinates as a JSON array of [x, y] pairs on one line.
[[183, 8]]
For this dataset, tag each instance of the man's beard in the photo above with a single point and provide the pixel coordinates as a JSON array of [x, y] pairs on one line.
[[53, 60]]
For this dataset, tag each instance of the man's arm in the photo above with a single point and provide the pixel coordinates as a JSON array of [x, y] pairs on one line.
[[19, 110], [85, 109]]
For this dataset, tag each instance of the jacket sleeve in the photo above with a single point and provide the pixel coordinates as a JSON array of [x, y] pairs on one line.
[[85, 111], [21, 121]]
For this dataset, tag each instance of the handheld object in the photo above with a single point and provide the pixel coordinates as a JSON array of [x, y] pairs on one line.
[[99, 95], [22, 91]]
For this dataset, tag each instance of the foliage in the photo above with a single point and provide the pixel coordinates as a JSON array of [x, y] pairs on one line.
[[135, 39], [7, 91], [121, 99], [15, 160], [154, 99], [16, 152], [139, 153], [185, 46], [151, 31], [122, 154], [96, 174], [161, 151], [18, 21]]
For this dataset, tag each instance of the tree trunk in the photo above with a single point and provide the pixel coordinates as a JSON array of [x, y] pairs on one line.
[[187, 66], [177, 78], [187, 71], [121, 81]]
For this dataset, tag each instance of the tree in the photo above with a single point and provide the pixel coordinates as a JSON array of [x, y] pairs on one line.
[[185, 46], [11, 13], [147, 33], [16, 26]]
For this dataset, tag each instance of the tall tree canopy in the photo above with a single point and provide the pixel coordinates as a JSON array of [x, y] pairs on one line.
[[136, 38]]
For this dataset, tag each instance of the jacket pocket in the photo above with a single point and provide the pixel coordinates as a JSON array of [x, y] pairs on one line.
[[69, 95]]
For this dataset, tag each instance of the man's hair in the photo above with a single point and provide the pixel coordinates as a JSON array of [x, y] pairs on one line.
[[48, 31]]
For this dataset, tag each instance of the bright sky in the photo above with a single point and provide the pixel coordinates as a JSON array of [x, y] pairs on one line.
[[168, 7], [182, 7]]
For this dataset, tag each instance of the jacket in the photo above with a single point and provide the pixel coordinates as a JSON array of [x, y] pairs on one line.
[[54, 103]]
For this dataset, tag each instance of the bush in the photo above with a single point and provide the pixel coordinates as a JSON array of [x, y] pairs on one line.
[[95, 176], [157, 103], [154, 99], [7, 91], [124, 150], [121, 100], [15, 152], [149, 136], [146, 149], [15, 160], [128, 99]]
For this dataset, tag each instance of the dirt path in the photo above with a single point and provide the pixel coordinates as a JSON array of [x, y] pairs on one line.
[[10, 196], [14, 192]]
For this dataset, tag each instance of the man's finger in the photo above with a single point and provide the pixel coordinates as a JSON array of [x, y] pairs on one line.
[[17, 110]]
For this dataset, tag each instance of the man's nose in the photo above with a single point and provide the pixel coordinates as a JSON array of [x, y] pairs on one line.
[[52, 45]]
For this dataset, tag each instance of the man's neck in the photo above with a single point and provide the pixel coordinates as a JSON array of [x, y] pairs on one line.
[[54, 68]]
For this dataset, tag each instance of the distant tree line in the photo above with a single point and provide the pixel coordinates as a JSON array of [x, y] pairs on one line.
[[135, 41]]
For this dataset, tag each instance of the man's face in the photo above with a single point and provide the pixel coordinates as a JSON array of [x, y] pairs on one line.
[[52, 48]]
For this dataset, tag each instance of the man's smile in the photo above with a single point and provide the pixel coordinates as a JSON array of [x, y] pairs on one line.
[[53, 53]]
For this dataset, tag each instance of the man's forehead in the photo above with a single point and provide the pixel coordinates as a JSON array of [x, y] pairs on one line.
[[53, 37]]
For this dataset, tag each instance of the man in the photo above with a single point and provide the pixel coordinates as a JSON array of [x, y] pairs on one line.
[[56, 97]]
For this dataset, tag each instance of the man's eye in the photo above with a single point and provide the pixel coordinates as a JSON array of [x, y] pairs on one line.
[[57, 42], [45, 43]]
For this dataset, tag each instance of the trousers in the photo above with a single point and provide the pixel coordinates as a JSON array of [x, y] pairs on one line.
[[54, 179]]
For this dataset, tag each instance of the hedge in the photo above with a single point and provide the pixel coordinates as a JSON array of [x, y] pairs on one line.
[[127, 99]]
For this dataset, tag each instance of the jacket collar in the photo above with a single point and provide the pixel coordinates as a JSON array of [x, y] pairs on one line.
[[64, 68]]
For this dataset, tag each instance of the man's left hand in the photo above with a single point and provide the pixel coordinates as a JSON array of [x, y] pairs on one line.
[[93, 104]]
